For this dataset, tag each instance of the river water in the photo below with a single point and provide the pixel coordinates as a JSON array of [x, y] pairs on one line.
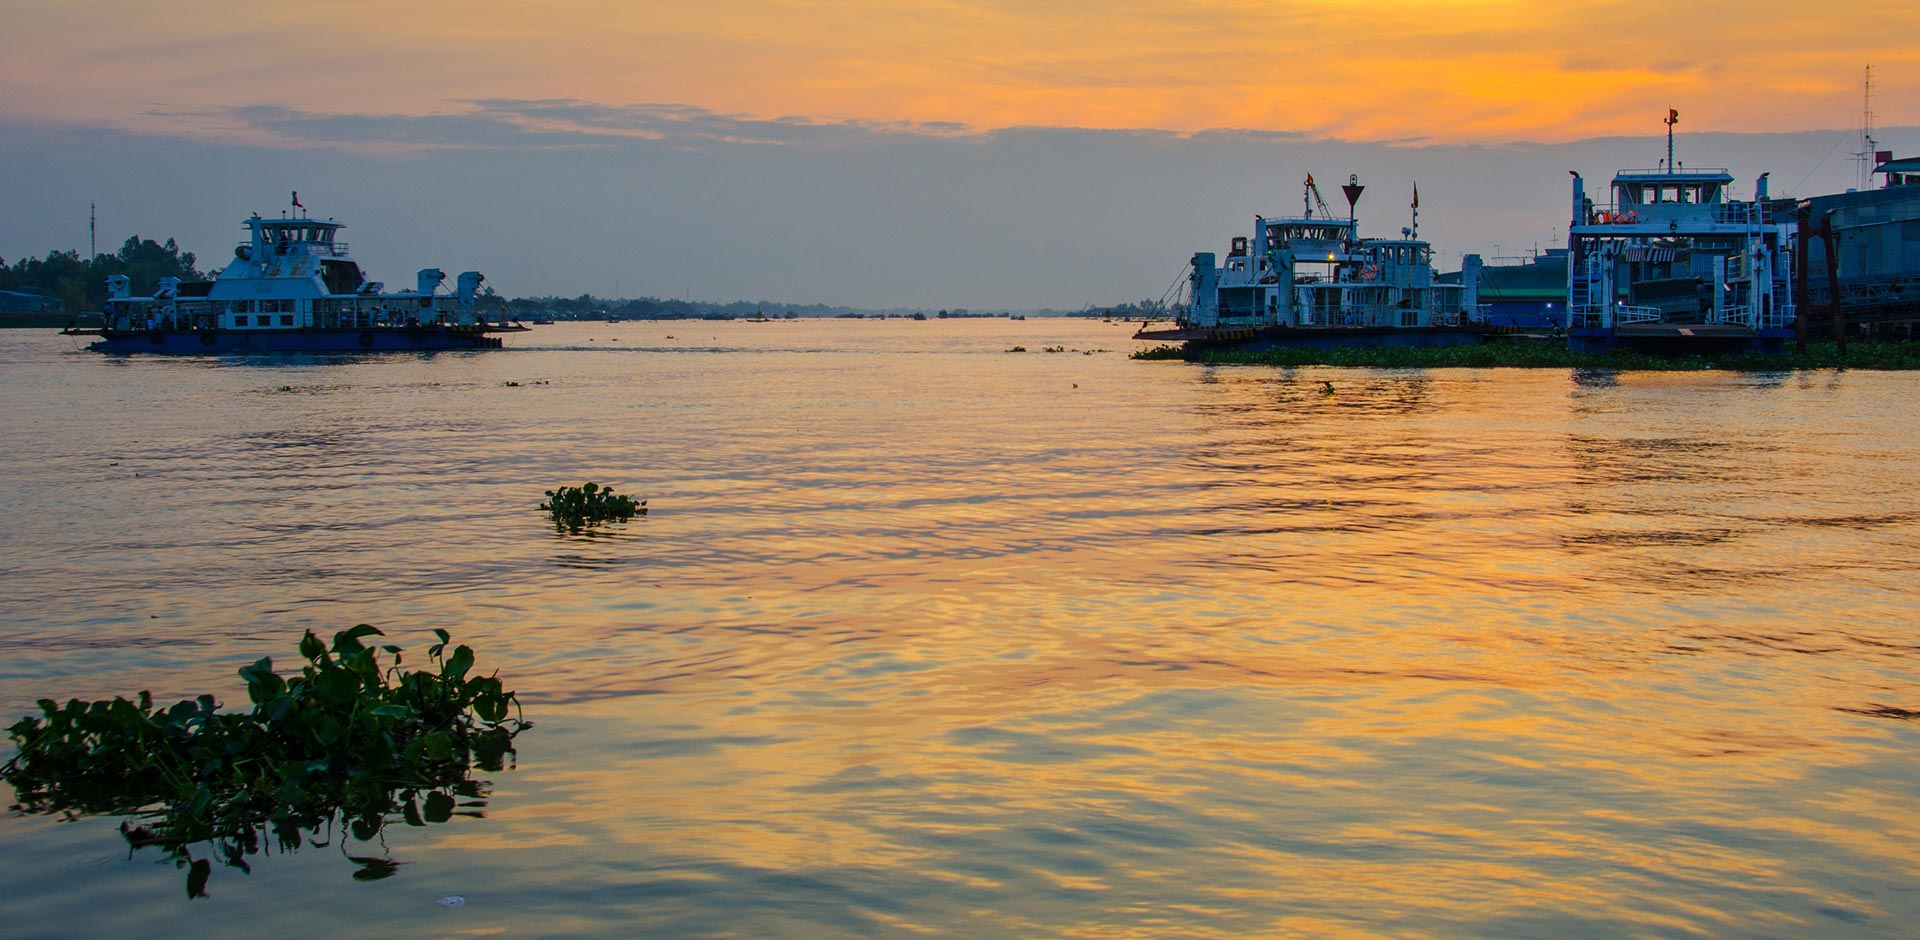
[[926, 638]]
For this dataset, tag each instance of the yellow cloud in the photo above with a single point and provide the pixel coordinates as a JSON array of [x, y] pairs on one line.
[[1430, 69]]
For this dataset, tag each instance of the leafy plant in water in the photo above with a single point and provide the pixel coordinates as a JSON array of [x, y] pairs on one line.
[[576, 507], [347, 738]]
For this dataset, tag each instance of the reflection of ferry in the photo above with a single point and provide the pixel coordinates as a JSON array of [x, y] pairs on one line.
[[292, 288], [1312, 281]]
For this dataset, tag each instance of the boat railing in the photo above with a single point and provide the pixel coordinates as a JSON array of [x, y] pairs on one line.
[[1585, 315], [1598, 315], [1718, 213], [1358, 315], [329, 249], [1665, 171], [1748, 316]]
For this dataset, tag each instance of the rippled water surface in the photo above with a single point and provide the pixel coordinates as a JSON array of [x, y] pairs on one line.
[[923, 638]]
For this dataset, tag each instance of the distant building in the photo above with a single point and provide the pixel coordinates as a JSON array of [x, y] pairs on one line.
[[1877, 249], [13, 301], [1523, 292]]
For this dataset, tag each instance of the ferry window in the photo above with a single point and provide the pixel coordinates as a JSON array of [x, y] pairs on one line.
[[286, 319], [239, 320]]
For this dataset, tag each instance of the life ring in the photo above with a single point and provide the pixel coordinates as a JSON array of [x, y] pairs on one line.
[[366, 339], [207, 338]]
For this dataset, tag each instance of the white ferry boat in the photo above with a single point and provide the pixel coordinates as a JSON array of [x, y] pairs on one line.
[[1312, 281], [292, 287], [1674, 263]]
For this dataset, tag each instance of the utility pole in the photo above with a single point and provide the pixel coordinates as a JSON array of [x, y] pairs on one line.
[[1835, 311], [93, 238]]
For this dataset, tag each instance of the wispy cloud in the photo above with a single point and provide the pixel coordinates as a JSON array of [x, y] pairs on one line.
[[511, 123], [508, 123]]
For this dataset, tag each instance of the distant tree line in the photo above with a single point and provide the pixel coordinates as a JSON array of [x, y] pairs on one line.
[[79, 285], [1138, 310], [587, 306]]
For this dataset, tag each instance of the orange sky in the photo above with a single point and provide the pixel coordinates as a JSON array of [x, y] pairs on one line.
[[1439, 70]]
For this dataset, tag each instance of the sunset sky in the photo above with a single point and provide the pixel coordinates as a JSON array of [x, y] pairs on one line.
[[952, 95]]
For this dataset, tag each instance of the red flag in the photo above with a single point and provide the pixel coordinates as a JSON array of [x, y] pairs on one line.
[[1673, 117], [1309, 179], [296, 200], [1416, 194]]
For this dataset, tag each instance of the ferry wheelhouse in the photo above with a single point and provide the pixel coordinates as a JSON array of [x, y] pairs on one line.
[[292, 287], [1311, 280]]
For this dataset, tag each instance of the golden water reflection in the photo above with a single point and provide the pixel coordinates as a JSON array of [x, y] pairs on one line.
[[925, 638]]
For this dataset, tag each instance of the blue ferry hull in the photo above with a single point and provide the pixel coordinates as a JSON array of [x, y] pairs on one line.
[[1676, 339], [218, 342]]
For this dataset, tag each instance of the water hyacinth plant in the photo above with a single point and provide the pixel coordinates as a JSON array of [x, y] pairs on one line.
[[348, 738], [1543, 354], [576, 507]]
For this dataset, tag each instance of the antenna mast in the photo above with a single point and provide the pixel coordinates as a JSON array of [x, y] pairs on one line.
[[1867, 156], [1673, 117], [93, 236]]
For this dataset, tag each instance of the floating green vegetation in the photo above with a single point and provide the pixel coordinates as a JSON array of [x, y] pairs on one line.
[[346, 739], [575, 507], [1162, 351], [1537, 354]]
